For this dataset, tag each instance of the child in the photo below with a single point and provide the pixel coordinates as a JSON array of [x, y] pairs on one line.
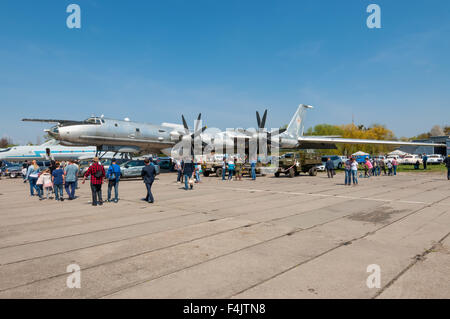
[[389, 166], [47, 182], [24, 174]]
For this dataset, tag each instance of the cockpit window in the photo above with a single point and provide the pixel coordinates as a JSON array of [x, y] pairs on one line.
[[93, 120], [5, 150]]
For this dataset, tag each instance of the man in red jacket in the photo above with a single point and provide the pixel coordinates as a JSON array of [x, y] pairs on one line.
[[97, 173]]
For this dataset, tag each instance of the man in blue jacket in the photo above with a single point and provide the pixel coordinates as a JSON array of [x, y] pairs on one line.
[[148, 175], [113, 176]]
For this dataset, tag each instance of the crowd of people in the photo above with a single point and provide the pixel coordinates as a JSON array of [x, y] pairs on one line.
[[50, 183], [371, 167], [189, 172]]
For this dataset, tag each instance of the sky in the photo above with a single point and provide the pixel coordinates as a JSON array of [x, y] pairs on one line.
[[153, 60]]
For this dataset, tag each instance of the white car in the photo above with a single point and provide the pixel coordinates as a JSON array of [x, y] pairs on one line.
[[411, 159], [435, 159], [390, 158]]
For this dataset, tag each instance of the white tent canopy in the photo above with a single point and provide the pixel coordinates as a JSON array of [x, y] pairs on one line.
[[360, 153], [398, 153]]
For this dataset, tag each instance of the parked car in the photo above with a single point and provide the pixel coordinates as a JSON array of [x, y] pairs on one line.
[[435, 159], [85, 164], [133, 168], [164, 162], [411, 159], [43, 164], [337, 160], [392, 157], [12, 170]]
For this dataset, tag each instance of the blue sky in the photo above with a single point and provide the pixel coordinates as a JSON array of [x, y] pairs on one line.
[[155, 60]]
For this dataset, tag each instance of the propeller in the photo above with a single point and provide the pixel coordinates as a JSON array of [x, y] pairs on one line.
[[197, 132], [261, 122]]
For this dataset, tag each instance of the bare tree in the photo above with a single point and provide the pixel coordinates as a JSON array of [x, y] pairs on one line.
[[437, 131], [4, 142]]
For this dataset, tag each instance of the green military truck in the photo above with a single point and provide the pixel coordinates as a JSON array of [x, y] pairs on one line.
[[292, 164], [210, 168]]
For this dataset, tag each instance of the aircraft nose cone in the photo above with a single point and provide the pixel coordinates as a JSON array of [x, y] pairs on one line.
[[53, 132]]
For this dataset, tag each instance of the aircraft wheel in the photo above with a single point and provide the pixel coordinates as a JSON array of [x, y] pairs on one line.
[[313, 172], [206, 174], [277, 174], [219, 172]]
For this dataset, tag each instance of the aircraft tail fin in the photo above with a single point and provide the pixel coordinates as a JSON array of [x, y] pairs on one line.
[[295, 127]]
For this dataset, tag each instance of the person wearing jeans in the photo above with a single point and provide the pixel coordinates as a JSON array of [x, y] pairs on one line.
[[253, 169], [394, 166], [97, 172], [348, 172], [354, 170], [188, 169], [71, 175], [230, 169], [113, 176], [224, 168], [32, 177]]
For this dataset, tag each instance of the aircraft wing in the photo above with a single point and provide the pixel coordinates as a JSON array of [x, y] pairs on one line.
[[53, 121], [320, 140]]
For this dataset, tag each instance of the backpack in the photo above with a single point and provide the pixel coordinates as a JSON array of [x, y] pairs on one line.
[[99, 173], [112, 175]]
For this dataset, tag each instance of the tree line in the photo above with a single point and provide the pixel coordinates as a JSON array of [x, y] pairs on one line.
[[373, 132]]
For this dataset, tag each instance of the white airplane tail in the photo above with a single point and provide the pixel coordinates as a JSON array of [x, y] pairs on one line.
[[295, 127]]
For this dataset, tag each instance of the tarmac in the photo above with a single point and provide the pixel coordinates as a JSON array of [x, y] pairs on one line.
[[301, 237]]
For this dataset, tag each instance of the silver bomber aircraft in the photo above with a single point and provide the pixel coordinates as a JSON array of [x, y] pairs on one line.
[[125, 136]]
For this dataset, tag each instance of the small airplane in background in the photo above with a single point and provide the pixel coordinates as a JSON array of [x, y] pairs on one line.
[[125, 136], [49, 150]]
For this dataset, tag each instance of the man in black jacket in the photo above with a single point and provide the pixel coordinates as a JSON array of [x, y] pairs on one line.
[[447, 163], [188, 169], [148, 175]]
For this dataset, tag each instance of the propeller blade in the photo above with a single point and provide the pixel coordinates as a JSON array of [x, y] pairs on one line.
[[258, 119], [263, 121], [186, 127], [197, 123], [198, 132]]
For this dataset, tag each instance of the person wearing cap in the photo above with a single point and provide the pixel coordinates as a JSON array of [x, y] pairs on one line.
[[97, 173], [113, 176], [148, 174]]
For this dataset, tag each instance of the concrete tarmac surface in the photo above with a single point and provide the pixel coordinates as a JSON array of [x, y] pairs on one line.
[[302, 237]]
